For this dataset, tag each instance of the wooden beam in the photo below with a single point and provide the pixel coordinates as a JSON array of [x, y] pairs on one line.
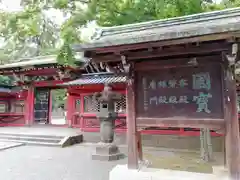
[[232, 138], [180, 122], [131, 124], [170, 52], [176, 62]]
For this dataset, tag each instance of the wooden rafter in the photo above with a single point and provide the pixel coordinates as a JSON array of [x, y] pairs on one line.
[[168, 51]]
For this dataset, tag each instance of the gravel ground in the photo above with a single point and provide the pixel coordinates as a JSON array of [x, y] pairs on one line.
[[53, 163]]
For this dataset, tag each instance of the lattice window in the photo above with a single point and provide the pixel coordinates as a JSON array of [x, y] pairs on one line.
[[77, 104], [3, 107], [120, 106], [92, 106]]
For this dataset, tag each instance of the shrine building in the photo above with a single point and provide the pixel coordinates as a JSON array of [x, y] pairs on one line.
[[29, 101], [36, 77], [181, 74], [188, 37]]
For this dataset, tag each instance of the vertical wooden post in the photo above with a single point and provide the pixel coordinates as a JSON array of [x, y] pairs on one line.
[[131, 124], [29, 112], [202, 144], [139, 145], [50, 107], [82, 124], [206, 144], [232, 128], [70, 110], [209, 144]]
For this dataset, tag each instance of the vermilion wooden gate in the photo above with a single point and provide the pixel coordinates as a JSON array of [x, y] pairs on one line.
[[41, 106]]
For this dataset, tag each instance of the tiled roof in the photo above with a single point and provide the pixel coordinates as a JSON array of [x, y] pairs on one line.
[[35, 61], [216, 22], [100, 78], [31, 62]]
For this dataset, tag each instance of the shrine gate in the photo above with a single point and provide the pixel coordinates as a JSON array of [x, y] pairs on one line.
[[180, 73], [34, 79]]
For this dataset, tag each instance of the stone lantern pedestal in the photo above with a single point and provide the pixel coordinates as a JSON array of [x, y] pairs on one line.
[[107, 152], [106, 149]]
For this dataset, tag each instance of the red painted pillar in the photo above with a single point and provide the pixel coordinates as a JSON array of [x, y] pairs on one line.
[[29, 112], [70, 109], [82, 124], [50, 107]]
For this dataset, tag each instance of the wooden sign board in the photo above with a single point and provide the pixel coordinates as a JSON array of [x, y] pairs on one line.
[[180, 96]]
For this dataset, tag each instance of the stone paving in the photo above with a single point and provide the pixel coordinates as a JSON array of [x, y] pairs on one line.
[[53, 163], [8, 145], [47, 130]]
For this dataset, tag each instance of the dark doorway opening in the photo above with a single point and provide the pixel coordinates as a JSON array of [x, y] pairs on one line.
[[41, 105]]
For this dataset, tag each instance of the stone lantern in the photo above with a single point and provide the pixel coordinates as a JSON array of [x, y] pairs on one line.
[[106, 149]]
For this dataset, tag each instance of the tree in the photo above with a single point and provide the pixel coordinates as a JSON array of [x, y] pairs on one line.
[[120, 12], [59, 98], [28, 33], [31, 32]]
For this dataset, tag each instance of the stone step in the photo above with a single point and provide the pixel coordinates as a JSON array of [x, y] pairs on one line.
[[30, 138], [44, 140], [35, 143], [30, 135]]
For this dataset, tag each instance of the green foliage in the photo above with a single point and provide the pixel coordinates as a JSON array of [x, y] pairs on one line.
[[66, 55], [32, 26], [58, 97], [28, 32], [5, 80], [230, 3], [118, 12], [60, 4]]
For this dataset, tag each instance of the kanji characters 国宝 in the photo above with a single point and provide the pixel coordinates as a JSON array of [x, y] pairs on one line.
[[202, 81]]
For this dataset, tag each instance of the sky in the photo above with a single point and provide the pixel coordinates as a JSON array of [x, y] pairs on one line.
[[10, 5]]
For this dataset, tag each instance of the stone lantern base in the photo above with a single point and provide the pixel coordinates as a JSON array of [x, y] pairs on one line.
[[107, 152]]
